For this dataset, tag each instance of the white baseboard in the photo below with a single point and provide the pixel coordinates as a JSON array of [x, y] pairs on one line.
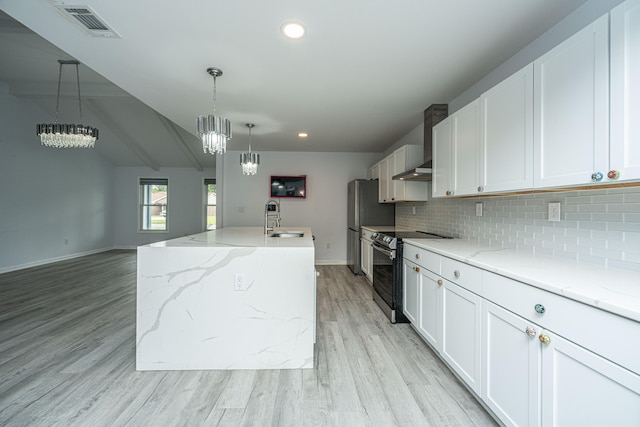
[[330, 262], [52, 260]]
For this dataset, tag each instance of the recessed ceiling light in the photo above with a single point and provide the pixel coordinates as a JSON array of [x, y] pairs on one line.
[[303, 134], [293, 30]]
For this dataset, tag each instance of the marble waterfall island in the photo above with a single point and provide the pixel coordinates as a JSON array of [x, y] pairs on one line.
[[233, 298]]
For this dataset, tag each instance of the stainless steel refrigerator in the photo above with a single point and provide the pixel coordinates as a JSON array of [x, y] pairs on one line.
[[364, 209]]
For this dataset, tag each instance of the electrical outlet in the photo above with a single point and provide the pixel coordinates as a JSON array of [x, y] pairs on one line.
[[479, 209], [240, 282], [554, 211]]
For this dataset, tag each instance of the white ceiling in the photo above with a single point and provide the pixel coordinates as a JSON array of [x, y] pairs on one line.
[[357, 82]]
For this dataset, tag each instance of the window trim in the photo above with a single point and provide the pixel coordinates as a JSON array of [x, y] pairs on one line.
[[206, 205], [151, 181]]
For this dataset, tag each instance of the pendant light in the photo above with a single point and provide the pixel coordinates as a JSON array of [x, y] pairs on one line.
[[249, 160], [60, 135], [214, 131]]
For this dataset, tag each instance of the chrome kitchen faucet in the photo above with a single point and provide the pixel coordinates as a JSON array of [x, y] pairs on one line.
[[271, 214]]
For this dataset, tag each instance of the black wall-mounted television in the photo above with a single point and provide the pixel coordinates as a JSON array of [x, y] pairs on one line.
[[289, 186]]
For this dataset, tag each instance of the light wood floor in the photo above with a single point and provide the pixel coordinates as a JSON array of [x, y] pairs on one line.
[[67, 357]]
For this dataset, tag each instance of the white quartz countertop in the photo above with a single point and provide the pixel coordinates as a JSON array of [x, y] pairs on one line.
[[613, 290], [246, 237]]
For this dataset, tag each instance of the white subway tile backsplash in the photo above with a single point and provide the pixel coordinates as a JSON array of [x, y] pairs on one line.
[[625, 207], [632, 197], [599, 226], [625, 226]]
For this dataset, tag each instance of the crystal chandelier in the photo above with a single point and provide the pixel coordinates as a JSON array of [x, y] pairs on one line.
[[60, 135], [214, 131], [249, 160]]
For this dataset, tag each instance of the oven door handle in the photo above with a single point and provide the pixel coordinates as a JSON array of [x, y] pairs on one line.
[[390, 254]]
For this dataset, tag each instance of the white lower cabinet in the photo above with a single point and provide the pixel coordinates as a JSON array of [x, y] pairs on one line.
[[430, 316], [580, 388], [447, 316], [366, 258], [511, 366], [532, 376], [410, 290], [462, 333], [503, 340]]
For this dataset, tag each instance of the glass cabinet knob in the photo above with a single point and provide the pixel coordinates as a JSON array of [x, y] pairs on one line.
[[539, 308], [530, 331], [597, 176], [544, 339]]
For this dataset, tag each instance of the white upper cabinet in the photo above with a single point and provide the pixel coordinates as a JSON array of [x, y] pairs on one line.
[[506, 134], [625, 92], [390, 190], [442, 159], [571, 109], [466, 153], [456, 153], [383, 181], [404, 158]]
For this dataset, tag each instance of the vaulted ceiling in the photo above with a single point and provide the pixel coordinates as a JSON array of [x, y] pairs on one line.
[[357, 82]]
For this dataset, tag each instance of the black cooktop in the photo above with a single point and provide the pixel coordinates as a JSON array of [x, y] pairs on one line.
[[413, 235]]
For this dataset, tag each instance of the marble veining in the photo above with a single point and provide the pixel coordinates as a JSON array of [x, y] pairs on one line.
[[190, 315], [610, 289]]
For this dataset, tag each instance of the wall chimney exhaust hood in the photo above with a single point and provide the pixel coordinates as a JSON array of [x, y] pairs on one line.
[[433, 115]]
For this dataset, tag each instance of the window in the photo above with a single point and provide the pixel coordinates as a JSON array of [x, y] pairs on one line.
[[209, 204], [153, 204]]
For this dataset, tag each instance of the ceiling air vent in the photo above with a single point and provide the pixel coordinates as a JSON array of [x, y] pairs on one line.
[[87, 19]]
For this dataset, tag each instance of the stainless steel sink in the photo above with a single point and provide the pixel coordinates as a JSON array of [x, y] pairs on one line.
[[287, 234]]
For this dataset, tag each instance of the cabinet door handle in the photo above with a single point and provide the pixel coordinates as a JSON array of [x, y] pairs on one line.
[[544, 339], [530, 331], [439, 282], [539, 308], [597, 176], [480, 189], [417, 256], [457, 274], [613, 174], [416, 269]]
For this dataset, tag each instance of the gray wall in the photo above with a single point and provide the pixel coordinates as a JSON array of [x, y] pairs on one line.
[[324, 209], [55, 204], [185, 211], [577, 20]]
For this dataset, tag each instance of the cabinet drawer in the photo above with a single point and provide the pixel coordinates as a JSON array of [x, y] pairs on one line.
[[422, 257], [609, 335], [462, 274]]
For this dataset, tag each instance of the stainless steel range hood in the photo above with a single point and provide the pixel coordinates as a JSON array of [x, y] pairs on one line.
[[434, 114], [421, 173]]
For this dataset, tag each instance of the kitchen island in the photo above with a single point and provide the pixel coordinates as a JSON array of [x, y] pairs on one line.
[[232, 298]]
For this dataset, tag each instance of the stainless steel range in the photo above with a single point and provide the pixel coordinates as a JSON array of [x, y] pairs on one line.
[[387, 270]]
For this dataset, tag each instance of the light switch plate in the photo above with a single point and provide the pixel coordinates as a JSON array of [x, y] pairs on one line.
[[554, 211]]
